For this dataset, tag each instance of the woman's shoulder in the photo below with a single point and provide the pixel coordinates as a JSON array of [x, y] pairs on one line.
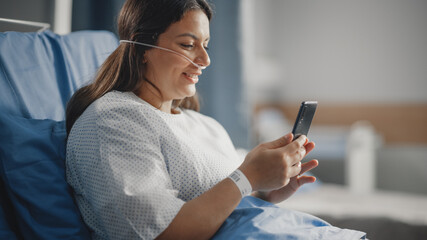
[[118, 114], [120, 102], [117, 99], [119, 107]]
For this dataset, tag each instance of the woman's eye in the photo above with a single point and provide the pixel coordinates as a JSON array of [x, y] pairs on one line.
[[189, 46], [206, 48]]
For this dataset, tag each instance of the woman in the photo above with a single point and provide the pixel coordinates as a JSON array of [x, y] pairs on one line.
[[143, 163]]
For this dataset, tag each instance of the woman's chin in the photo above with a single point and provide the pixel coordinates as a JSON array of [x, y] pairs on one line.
[[190, 91], [187, 94]]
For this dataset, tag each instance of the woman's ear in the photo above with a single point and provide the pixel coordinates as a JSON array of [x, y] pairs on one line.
[[145, 57]]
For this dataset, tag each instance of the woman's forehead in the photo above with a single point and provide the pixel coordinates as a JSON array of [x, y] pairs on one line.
[[194, 24]]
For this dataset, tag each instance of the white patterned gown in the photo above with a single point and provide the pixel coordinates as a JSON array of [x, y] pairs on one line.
[[132, 166]]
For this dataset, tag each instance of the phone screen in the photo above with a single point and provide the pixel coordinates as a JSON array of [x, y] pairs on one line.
[[304, 118]]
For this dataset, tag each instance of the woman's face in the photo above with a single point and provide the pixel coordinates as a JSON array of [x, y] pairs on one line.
[[172, 74]]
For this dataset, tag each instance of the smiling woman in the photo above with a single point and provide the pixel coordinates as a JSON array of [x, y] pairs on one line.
[[174, 77], [128, 69], [144, 163]]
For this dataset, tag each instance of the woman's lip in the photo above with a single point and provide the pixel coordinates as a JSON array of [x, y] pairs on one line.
[[192, 77]]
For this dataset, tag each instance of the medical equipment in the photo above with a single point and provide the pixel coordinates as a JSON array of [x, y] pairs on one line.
[[41, 25], [241, 182], [166, 49]]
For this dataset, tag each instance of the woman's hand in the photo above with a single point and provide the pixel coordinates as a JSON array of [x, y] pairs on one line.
[[272, 165], [279, 195]]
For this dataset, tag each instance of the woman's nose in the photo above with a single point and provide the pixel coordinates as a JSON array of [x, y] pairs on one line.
[[203, 58]]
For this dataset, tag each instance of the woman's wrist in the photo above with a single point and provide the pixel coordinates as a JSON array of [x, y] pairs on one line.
[[261, 195], [242, 182]]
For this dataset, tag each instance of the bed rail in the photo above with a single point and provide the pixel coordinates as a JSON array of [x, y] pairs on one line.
[[43, 26]]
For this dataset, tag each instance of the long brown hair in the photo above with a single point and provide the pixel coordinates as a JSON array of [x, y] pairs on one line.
[[124, 70]]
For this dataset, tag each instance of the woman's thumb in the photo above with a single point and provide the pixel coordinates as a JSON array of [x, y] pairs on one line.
[[280, 142]]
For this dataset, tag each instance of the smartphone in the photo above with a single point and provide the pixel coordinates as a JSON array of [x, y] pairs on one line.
[[304, 118]]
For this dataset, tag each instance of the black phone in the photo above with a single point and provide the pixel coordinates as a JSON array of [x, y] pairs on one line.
[[304, 118]]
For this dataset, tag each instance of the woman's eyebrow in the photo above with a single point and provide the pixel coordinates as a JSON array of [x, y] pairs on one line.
[[191, 35]]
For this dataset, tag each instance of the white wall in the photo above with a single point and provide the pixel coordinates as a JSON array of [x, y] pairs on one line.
[[338, 50]]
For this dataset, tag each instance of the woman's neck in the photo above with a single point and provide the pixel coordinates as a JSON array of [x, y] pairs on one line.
[[151, 96]]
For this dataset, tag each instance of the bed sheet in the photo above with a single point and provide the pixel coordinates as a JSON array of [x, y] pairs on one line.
[[258, 219], [339, 202]]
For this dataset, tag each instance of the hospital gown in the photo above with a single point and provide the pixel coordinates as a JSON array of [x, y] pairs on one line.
[[132, 166]]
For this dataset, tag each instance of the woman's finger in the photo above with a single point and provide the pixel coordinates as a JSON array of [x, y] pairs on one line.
[[280, 142], [306, 179], [296, 144], [296, 150], [309, 146], [295, 170], [300, 141], [308, 166]]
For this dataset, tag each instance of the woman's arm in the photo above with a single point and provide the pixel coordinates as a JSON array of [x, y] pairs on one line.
[[268, 166], [201, 217]]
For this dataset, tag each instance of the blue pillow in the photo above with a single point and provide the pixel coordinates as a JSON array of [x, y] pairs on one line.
[[7, 227], [32, 167], [39, 72]]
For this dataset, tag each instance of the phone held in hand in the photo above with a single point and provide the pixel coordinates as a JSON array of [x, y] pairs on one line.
[[304, 118]]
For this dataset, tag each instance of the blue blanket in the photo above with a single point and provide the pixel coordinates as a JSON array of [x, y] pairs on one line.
[[257, 219]]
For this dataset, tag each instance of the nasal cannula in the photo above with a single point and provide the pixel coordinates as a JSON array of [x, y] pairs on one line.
[[165, 49]]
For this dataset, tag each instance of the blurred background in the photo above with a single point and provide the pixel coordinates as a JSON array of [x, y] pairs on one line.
[[364, 61]]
